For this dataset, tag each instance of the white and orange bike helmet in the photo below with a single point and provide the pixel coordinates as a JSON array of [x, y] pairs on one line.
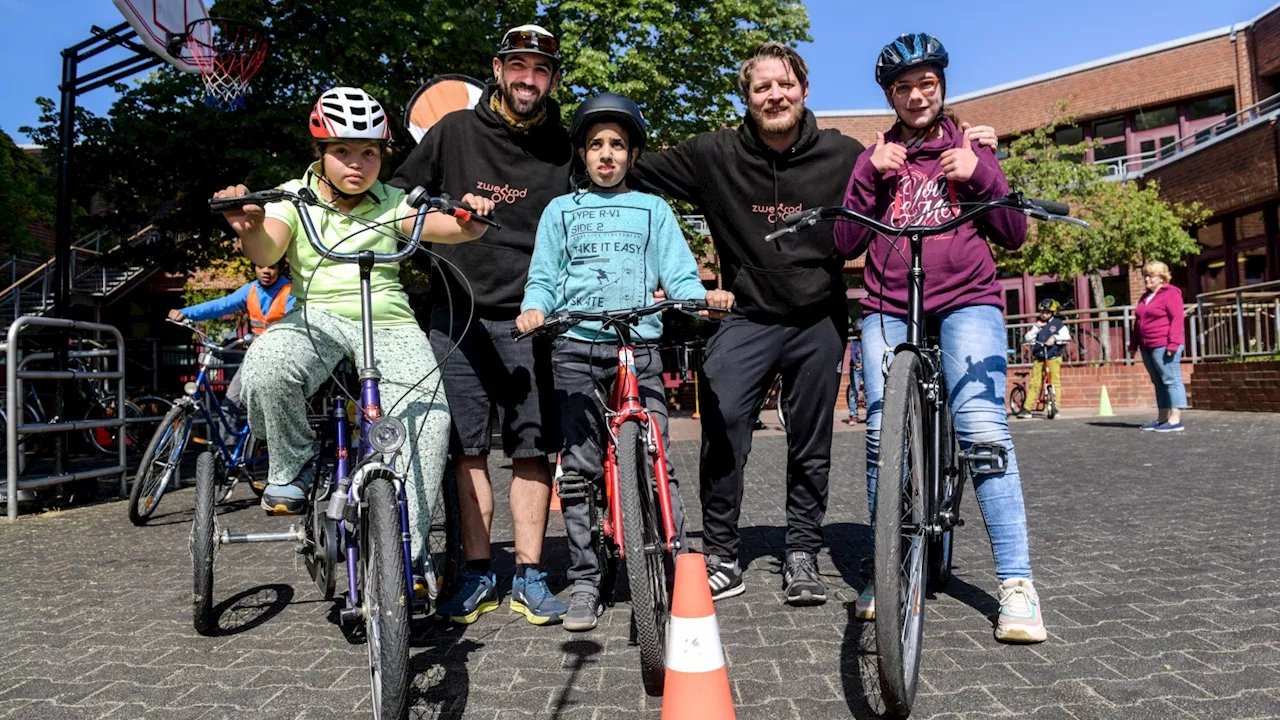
[[346, 113]]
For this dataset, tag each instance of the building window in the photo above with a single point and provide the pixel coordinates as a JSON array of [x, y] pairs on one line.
[[1069, 136], [1249, 227], [1212, 107], [1210, 236], [1108, 151], [1152, 119], [1213, 275], [1251, 265], [1104, 129]]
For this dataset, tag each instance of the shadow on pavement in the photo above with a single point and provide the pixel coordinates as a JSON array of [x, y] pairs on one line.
[[1133, 425], [858, 667], [438, 665], [250, 608], [580, 654]]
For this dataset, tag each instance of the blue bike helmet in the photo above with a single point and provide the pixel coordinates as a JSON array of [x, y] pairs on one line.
[[909, 51]]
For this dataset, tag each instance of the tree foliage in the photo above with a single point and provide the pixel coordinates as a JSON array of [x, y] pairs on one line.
[[26, 197], [160, 143]]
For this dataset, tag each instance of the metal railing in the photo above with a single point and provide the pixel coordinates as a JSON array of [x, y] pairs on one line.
[[1238, 323], [1121, 168], [15, 374]]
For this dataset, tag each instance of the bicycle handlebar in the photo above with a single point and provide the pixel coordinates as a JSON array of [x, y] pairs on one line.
[[417, 198], [1045, 210], [562, 321], [210, 344]]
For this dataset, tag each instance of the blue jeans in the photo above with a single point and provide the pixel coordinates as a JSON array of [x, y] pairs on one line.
[[855, 384], [1166, 372], [974, 365]]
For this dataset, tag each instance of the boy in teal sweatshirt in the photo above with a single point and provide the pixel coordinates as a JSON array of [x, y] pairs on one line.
[[605, 248]]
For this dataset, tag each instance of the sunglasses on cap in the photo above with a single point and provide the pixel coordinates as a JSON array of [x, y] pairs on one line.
[[530, 41]]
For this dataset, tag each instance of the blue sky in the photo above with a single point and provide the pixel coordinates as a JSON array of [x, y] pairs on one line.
[[991, 42]]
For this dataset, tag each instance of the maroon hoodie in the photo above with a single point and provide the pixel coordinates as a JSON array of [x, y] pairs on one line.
[[959, 268], [1159, 320]]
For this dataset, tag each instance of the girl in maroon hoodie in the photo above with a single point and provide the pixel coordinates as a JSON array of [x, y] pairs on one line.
[[917, 174]]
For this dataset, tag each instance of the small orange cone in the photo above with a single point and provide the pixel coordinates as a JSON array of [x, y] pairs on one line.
[[555, 487], [697, 682]]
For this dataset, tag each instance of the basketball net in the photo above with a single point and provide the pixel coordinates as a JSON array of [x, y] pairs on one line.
[[229, 54]]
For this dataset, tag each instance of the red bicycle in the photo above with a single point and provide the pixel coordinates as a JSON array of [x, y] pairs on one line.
[[638, 525]]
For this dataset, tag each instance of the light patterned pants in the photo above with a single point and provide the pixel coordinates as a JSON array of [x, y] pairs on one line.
[[282, 369], [1038, 368]]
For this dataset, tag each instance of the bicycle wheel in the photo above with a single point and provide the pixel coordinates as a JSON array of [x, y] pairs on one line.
[[1017, 398], [386, 600], [900, 536], [204, 546], [1051, 402], [104, 439], [952, 478], [646, 554], [151, 406], [161, 463], [444, 540]]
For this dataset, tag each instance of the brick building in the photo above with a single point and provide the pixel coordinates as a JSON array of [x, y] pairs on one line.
[[1197, 113]]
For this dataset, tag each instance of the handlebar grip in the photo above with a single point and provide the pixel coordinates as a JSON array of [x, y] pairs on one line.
[[217, 205], [795, 217], [779, 233], [1051, 206], [464, 213]]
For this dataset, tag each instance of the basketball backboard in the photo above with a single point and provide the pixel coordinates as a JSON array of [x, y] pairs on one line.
[[156, 21]]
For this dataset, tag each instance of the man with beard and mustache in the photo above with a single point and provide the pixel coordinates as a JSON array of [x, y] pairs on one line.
[[791, 315], [512, 148]]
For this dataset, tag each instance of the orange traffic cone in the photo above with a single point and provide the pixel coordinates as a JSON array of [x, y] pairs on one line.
[[555, 487], [697, 682]]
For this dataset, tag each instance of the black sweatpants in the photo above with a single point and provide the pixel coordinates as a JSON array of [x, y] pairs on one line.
[[741, 361]]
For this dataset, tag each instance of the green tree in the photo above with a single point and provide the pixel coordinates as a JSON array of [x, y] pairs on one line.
[[161, 143], [1129, 224], [26, 197]]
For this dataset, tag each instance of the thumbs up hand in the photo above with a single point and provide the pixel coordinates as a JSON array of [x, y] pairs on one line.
[[887, 157]]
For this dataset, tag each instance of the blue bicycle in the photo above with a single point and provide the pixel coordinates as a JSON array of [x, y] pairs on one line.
[[161, 465], [357, 511]]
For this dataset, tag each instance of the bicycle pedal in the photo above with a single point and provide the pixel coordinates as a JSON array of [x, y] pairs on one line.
[[986, 458]]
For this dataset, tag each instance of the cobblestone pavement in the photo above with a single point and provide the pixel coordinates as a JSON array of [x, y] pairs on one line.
[[1155, 557]]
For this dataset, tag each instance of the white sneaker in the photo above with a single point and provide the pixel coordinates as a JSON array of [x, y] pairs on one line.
[[865, 607], [1020, 620]]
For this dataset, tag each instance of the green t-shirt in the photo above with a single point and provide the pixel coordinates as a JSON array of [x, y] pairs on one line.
[[333, 286]]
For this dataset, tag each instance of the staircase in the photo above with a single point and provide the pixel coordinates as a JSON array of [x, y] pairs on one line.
[[95, 276]]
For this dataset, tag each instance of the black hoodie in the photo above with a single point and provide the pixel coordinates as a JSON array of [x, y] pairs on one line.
[[474, 151], [744, 188]]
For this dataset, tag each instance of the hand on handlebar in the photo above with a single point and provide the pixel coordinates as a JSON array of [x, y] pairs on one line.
[[176, 316], [720, 299], [530, 320], [479, 206], [246, 219]]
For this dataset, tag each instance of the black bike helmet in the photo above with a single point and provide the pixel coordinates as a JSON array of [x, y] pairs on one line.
[[909, 51], [608, 107]]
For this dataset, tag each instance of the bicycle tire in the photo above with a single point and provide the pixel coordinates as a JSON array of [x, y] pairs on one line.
[[1017, 398], [104, 439], [204, 546], [169, 442], [1051, 402], [386, 600], [949, 495], [646, 571], [445, 539], [780, 403], [900, 547]]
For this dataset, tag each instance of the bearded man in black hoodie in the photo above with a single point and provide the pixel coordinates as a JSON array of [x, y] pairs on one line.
[[791, 316], [510, 147]]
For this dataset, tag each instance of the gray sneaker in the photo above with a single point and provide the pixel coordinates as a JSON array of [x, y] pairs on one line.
[[800, 576], [584, 608]]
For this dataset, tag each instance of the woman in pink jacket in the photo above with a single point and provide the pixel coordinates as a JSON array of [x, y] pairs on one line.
[[1157, 331]]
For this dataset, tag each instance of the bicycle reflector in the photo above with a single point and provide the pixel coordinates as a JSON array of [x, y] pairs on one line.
[[387, 434]]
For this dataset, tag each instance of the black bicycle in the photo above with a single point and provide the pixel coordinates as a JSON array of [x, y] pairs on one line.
[[920, 456]]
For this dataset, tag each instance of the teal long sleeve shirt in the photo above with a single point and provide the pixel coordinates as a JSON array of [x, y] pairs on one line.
[[609, 251]]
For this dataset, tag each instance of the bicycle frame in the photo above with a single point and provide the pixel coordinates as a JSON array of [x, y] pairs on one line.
[[625, 406]]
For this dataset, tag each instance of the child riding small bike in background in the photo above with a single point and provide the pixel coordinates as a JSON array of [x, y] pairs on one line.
[[266, 299], [1048, 338], [604, 248]]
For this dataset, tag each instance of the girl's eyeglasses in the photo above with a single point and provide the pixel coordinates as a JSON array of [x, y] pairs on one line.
[[927, 87]]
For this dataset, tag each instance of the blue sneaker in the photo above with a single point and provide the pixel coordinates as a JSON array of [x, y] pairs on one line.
[[1150, 426], [288, 499], [1169, 427], [531, 597], [477, 596]]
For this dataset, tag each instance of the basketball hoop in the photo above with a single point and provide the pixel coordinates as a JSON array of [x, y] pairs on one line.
[[229, 54]]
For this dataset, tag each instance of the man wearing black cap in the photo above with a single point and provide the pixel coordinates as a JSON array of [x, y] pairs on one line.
[[510, 147]]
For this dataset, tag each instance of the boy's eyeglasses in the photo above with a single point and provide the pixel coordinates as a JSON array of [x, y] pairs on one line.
[[927, 87], [527, 40]]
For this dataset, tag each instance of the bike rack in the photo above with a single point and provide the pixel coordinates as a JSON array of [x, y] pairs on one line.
[[14, 375]]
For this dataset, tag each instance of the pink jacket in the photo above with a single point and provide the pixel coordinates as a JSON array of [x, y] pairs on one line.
[[1159, 322]]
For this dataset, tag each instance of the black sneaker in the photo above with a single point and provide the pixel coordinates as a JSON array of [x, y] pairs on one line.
[[725, 578], [584, 608], [800, 576]]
